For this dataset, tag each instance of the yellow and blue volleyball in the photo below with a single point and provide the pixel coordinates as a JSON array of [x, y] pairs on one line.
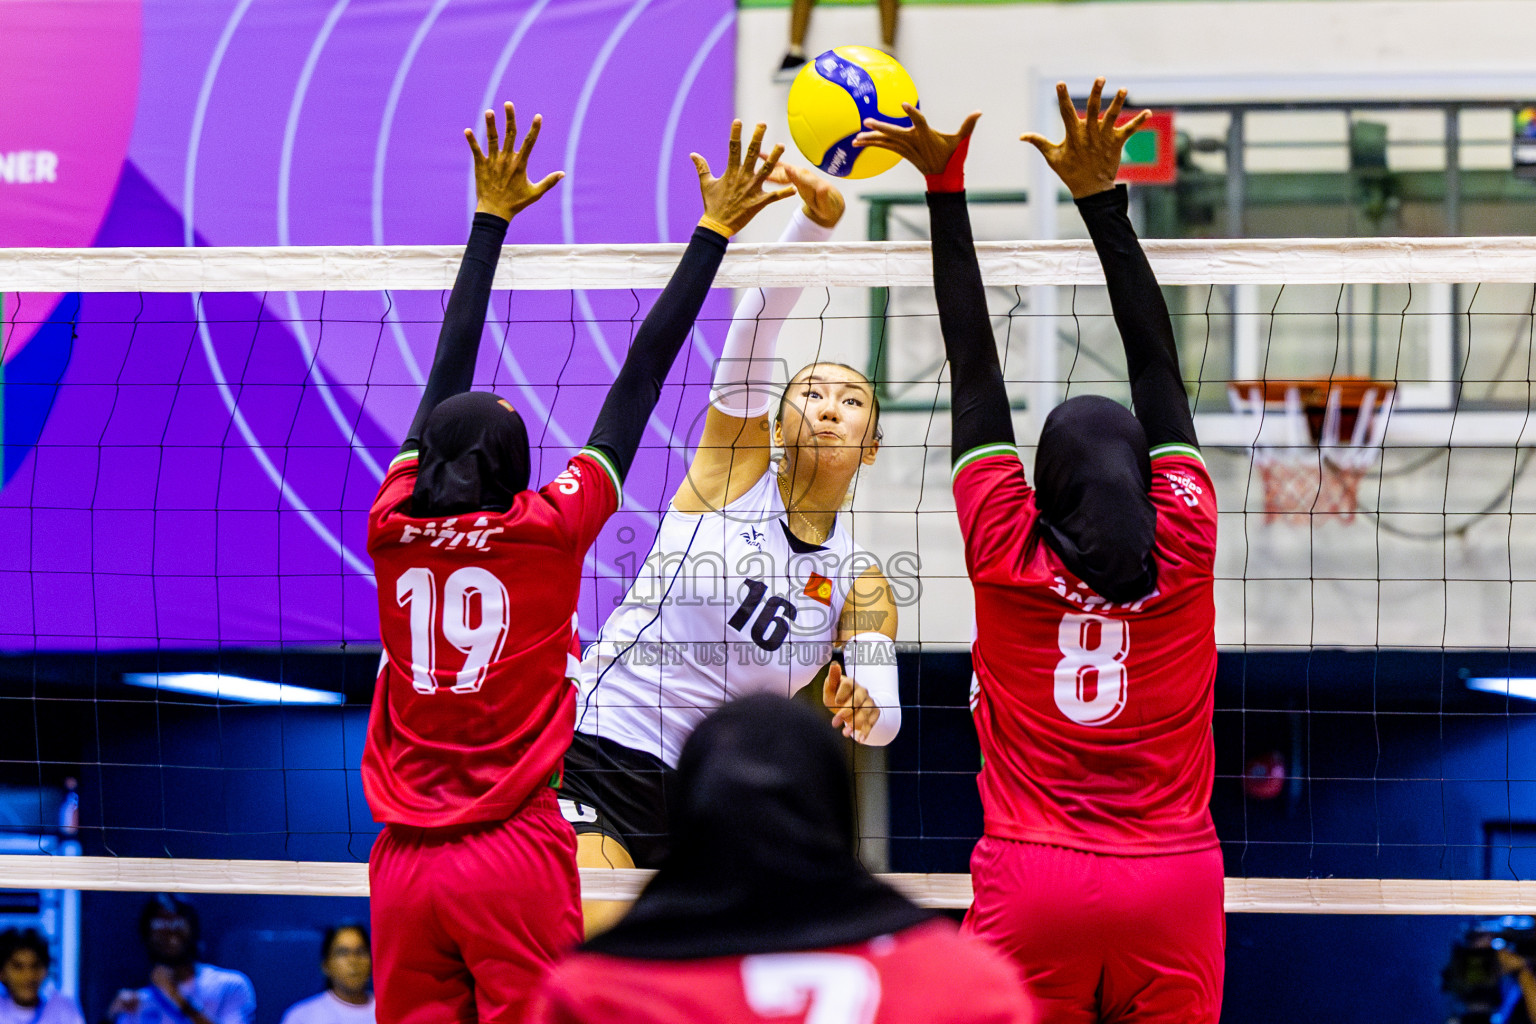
[[830, 99]]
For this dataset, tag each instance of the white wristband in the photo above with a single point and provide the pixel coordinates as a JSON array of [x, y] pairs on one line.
[[870, 659]]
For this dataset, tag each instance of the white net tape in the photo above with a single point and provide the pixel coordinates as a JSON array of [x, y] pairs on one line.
[[314, 878], [1293, 261]]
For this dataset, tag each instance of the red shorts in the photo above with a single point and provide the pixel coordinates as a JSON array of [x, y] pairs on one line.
[[467, 920], [1105, 938]]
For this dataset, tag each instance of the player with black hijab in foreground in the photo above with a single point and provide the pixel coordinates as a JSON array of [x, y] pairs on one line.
[[1099, 872], [761, 911], [473, 879]]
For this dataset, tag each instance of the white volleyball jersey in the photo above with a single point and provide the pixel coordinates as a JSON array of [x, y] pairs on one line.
[[727, 604]]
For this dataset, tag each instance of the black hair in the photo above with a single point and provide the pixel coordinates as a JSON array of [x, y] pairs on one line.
[[164, 903], [14, 940], [334, 932], [874, 395], [328, 941]]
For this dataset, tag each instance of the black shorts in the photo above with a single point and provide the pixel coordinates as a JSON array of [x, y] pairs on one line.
[[619, 792]]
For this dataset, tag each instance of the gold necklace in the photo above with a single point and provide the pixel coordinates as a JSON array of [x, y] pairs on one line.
[[805, 520]]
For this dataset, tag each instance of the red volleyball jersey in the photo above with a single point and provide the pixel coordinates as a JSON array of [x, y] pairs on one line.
[[1094, 718], [924, 974], [474, 705]]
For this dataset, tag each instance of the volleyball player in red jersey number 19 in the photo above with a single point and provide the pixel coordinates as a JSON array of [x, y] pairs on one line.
[[1099, 872], [474, 882]]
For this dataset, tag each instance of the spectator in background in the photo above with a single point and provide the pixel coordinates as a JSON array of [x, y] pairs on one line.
[[181, 990], [800, 20], [1517, 987], [347, 964], [24, 963]]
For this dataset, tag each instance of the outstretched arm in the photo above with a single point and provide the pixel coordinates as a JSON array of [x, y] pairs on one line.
[[502, 188], [733, 449], [979, 409], [730, 203], [1087, 161]]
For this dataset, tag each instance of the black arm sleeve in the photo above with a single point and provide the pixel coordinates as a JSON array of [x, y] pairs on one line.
[[979, 406], [621, 422], [458, 343], [1141, 313]]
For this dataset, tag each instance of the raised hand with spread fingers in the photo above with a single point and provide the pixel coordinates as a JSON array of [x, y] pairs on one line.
[[734, 198], [1088, 158], [924, 147], [502, 187]]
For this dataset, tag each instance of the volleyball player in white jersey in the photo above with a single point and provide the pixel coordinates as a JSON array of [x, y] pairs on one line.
[[752, 581]]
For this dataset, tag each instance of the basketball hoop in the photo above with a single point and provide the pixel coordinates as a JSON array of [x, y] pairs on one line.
[[1307, 467]]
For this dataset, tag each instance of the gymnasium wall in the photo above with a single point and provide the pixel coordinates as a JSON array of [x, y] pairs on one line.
[[1005, 59]]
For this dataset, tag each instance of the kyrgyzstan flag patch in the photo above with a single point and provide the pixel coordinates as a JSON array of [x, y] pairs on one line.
[[819, 588]]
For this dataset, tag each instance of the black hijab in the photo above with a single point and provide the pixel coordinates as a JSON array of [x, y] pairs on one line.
[[474, 457], [1093, 482], [762, 857]]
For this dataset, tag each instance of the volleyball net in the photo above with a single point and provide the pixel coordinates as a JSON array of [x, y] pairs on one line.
[[192, 438]]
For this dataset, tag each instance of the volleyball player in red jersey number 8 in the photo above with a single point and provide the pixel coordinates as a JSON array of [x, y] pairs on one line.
[[1095, 654], [474, 882]]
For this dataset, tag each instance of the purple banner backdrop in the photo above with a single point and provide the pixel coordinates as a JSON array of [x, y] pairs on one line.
[[183, 471]]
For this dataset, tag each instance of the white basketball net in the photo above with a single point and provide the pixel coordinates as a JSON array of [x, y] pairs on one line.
[[1306, 477]]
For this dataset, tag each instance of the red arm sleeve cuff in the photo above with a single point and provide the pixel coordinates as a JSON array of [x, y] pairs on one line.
[[953, 177]]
